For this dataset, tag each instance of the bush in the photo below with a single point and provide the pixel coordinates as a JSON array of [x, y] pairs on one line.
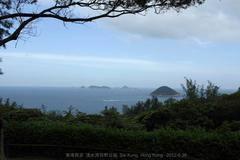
[[198, 144], [23, 114]]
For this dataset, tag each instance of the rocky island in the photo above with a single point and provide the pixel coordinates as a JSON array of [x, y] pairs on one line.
[[164, 91], [99, 87], [125, 87]]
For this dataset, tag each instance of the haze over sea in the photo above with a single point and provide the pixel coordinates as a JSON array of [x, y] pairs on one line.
[[84, 99]]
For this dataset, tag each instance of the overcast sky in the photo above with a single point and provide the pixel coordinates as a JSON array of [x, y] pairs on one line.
[[201, 43]]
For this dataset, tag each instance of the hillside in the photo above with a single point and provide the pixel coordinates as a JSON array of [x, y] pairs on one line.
[[164, 91]]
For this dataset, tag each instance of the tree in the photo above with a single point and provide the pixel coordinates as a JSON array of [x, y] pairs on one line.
[[69, 113], [194, 91], [125, 109], [112, 117], [16, 16], [212, 90], [191, 89]]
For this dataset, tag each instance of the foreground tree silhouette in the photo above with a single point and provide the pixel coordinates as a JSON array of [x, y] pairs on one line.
[[17, 15]]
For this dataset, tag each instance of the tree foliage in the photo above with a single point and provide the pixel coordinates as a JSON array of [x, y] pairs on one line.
[[140, 107], [193, 91], [204, 108], [112, 117], [200, 127], [17, 15]]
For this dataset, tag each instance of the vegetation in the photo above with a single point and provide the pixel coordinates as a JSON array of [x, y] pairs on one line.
[[198, 144], [204, 125]]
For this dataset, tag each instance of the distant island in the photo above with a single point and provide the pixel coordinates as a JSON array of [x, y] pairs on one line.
[[164, 91], [99, 87], [125, 87]]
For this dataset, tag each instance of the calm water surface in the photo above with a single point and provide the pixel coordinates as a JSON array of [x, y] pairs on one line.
[[86, 100], [83, 99]]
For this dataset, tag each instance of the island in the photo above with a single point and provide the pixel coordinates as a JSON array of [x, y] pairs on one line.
[[99, 87], [125, 87], [164, 91]]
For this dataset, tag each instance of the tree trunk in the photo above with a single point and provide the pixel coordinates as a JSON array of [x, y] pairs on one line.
[[2, 156]]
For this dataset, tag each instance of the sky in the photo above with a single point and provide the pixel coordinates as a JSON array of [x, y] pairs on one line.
[[201, 43]]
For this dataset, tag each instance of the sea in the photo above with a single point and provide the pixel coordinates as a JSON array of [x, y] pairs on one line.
[[83, 99]]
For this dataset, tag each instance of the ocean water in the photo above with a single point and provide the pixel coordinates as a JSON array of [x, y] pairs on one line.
[[84, 99]]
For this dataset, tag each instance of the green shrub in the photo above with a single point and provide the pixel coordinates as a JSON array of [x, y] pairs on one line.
[[198, 144], [23, 114]]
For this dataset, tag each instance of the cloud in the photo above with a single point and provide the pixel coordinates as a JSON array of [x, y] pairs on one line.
[[46, 69], [95, 62], [215, 21]]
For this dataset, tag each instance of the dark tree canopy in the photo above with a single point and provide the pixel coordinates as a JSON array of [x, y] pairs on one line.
[[18, 15]]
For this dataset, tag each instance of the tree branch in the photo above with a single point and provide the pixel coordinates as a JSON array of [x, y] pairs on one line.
[[62, 10]]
